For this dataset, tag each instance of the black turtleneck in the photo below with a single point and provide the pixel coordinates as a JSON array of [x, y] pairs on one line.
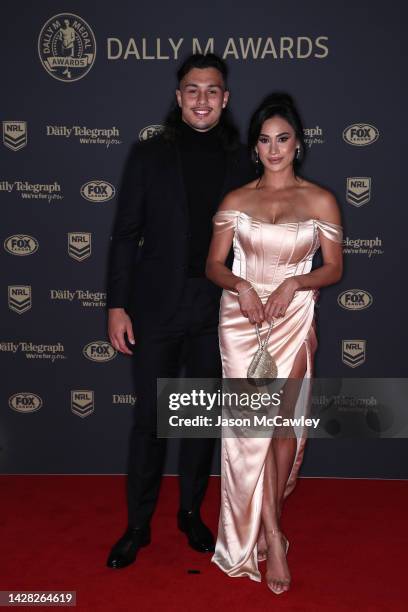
[[203, 165]]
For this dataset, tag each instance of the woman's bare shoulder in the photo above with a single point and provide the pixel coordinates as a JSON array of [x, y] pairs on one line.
[[321, 202], [238, 198]]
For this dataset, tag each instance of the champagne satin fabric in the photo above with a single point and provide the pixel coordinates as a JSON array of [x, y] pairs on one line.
[[265, 254]]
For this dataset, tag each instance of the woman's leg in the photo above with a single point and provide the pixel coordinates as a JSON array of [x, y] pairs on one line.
[[284, 441], [277, 573], [279, 462]]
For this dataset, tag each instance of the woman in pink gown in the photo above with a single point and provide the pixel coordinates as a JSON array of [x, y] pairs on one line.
[[275, 224]]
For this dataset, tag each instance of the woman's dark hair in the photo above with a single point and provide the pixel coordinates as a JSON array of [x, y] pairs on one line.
[[227, 129], [277, 104]]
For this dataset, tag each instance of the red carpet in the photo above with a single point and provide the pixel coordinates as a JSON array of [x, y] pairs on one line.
[[348, 543]]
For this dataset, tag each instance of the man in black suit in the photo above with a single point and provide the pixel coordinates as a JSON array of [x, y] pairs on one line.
[[158, 295]]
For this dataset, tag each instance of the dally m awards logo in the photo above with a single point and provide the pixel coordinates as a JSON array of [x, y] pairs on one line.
[[82, 402], [25, 402], [98, 191], [355, 299], [99, 351], [19, 298], [358, 190], [79, 245], [150, 131], [360, 134], [20, 244], [15, 134], [67, 47], [353, 352]]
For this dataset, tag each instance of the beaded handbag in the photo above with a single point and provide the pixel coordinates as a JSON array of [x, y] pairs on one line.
[[263, 368]]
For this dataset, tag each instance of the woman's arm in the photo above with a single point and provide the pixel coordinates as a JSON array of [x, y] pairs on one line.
[[326, 210], [217, 272], [329, 273]]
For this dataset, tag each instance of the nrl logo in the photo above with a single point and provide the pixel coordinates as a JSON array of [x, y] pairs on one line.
[[67, 47], [19, 298], [15, 134], [79, 245], [82, 402], [353, 352], [358, 191]]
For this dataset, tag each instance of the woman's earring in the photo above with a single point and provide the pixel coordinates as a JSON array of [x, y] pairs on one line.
[[256, 157], [297, 153]]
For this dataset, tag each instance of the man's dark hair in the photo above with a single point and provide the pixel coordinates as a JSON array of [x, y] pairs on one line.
[[198, 60], [228, 131]]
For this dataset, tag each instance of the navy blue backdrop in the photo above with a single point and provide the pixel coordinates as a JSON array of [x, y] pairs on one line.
[[81, 82]]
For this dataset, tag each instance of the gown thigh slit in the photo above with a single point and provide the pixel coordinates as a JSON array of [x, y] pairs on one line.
[[265, 254]]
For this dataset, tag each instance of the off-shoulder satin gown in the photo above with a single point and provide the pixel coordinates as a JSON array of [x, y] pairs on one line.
[[265, 254]]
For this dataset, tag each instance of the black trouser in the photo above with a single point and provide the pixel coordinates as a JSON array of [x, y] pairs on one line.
[[190, 337]]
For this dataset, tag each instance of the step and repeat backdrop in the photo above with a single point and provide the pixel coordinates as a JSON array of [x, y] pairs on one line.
[[81, 83]]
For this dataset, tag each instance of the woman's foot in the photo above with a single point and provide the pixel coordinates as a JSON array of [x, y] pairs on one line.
[[263, 547], [277, 573]]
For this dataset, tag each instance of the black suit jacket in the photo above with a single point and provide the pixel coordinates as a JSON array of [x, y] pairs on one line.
[[147, 280]]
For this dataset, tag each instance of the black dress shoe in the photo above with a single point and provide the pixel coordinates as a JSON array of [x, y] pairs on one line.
[[125, 550], [199, 536]]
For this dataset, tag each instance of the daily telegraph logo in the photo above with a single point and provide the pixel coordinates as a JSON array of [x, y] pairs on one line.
[[21, 244], [25, 402], [353, 352], [19, 298], [98, 191], [67, 47], [150, 131], [86, 297], [355, 299], [363, 246], [79, 245], [313, 136], [124, 398], [86, 135], [82, 402], [33, 191], [358, 191], [15, 134], [31, 350], [360, 134], [99, 351]]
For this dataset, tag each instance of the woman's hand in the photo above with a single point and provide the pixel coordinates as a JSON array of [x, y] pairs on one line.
[[280, 299], [250, 303]]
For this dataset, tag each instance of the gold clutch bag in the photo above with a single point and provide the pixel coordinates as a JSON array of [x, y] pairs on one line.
[[262, 369]]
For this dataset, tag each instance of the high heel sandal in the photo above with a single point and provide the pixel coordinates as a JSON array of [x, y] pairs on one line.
[[280, 589], [262, 556]]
